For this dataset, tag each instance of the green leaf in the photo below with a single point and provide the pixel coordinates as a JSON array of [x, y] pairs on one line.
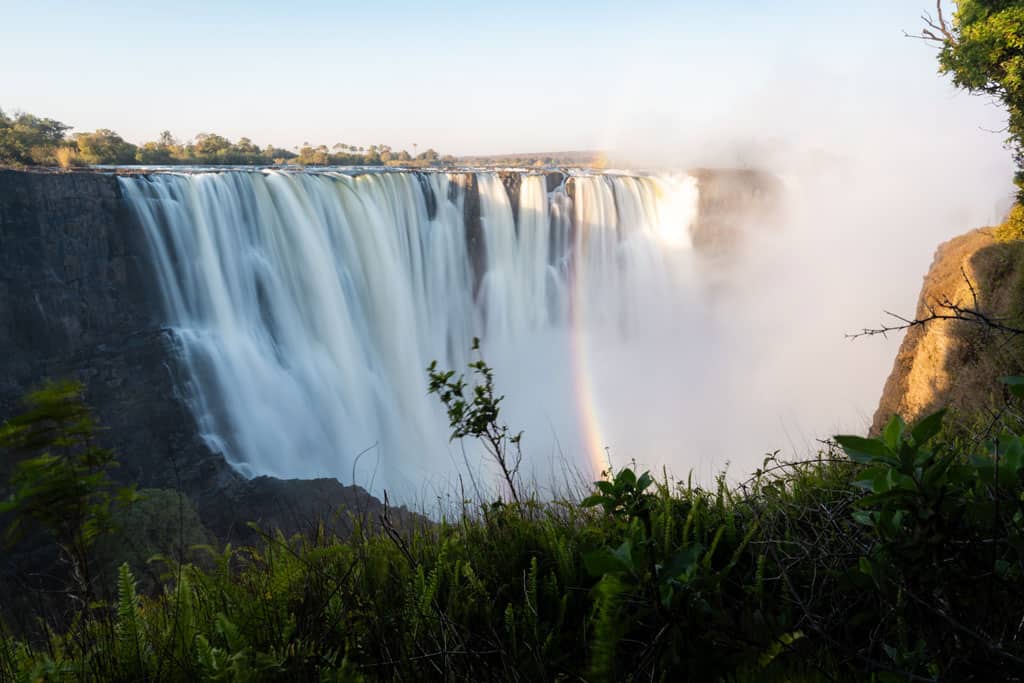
[[874, 479], [681, 563], [866, 451], [1015, 383], [928, 427], [1012, 456], [603, 561], [892, 435], [864, 517], [624, 553], [626, 478], [1002, 568]]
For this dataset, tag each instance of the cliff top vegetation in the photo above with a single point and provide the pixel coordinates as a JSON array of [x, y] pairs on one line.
[[27, 140]]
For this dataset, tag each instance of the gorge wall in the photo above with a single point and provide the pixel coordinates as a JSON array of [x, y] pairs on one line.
[[79, 298]]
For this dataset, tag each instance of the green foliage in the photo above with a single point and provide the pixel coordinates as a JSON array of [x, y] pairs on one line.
[[104, 147], [477, 415], [983, 51], [1012, 229], [26, 139], [161, 522], [960, 514], [59, 475], [900, 561]]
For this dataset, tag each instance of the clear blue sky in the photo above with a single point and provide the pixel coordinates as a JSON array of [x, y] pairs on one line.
[[468, 76]]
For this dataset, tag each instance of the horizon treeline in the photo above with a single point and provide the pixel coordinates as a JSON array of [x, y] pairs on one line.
[[30, 140]]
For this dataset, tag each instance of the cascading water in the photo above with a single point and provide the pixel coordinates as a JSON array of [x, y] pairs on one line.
[[308, 305]]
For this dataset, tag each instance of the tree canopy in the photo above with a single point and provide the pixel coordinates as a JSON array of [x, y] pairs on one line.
[[28, 140], [982, 49]]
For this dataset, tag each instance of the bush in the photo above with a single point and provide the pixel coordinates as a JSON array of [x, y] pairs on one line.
[[900, 560], [1012, 229], [67, 157]]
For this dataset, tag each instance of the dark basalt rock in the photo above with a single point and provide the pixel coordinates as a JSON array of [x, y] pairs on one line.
[[553, 180], [78, 300], [299, 506], [512, 180], [474, 226], [428, 196]]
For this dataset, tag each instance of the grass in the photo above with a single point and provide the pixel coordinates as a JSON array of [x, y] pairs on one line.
[[772, 587], [893, 559]]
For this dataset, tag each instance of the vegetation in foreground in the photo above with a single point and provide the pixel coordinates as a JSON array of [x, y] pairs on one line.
[[902, 561], [889, 559]]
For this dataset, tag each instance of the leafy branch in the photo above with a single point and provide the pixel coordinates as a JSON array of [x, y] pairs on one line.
[[476, 415]]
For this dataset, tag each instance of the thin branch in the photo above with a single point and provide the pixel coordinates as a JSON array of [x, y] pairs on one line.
[[937, 29], [945, 309]]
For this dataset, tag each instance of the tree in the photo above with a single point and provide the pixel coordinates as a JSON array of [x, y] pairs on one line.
[[28, 139], [476, 415], [314, 156], [208, 146], [982, 49], [59, 476], [105, 147], [154, 153], [166, 139]]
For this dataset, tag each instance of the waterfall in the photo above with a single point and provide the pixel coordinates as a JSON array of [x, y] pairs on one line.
[[308, 305]]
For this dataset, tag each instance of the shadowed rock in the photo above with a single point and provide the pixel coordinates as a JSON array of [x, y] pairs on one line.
[[78, 300]]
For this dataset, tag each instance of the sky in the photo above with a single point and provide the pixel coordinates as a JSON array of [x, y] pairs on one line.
[[473, 77], [882, 159]]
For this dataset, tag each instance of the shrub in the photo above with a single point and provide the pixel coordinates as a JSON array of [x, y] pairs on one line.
[[67, 157], [899, 561], [1012, 229]]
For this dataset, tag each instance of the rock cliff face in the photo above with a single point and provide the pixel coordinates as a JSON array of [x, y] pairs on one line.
[[955, 363], [78, 301]]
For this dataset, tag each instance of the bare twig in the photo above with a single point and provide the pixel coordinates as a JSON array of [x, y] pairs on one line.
[[936, 28], [945, 309]]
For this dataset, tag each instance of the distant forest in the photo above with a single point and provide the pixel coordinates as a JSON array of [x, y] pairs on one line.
[[29, 140]]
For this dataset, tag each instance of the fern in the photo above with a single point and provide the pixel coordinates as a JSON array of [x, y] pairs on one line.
[[127, 626], [608, 626]]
